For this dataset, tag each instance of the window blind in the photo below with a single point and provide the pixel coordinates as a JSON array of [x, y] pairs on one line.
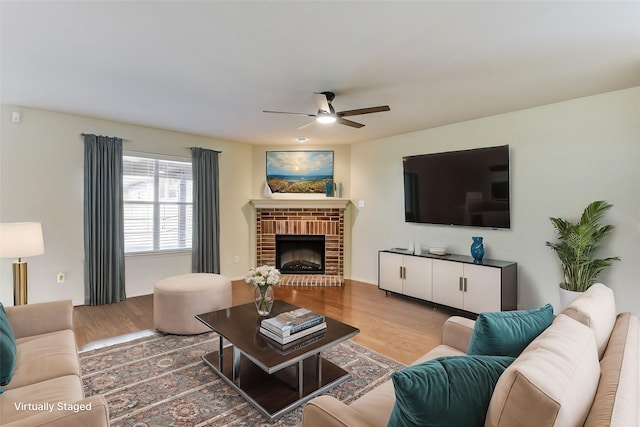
[[158, 204]]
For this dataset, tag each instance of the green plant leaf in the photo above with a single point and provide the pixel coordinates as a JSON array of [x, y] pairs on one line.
[[578, 245]]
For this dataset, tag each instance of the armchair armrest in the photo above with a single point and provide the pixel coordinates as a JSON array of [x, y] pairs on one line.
[[327, 411], [92, 411], [41, 318], [456, 332]]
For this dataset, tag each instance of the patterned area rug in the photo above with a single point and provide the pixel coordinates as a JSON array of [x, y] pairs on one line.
[[161, 380]]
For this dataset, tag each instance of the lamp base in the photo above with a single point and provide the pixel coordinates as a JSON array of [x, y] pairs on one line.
[[19, 283]]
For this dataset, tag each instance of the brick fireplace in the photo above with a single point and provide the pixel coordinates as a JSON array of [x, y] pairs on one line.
[[306, 217]]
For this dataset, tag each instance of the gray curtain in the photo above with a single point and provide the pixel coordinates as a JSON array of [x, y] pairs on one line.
[[206, 212], [103, 221]]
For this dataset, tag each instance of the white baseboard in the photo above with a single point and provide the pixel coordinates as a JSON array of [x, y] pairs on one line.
[[363, 280]]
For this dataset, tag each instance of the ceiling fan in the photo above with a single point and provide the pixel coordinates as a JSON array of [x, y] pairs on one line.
[[326, 113]]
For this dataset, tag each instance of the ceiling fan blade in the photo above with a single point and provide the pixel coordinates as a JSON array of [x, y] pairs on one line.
[[321, 102], [363, 111], [349, 123], [306, 125], [286, 112]]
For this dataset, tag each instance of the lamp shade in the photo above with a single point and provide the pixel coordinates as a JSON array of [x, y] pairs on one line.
[[21, 239]]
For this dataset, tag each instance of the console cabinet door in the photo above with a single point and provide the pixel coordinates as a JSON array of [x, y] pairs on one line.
[[446, 283], [483, 288], [390, 272], [417, 280]]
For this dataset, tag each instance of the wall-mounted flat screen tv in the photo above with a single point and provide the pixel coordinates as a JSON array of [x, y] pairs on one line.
[[469, 187]]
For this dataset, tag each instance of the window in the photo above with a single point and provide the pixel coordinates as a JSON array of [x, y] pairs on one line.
[[158, 204]]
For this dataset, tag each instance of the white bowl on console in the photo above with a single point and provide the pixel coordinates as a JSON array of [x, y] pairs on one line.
[[438, 251]]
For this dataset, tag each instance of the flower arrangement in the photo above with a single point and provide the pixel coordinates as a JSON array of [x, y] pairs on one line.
[[262, 277]]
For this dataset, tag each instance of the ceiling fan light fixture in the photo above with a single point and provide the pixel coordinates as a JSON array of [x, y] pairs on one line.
[[325, 118], [327, 115], [302, 139]]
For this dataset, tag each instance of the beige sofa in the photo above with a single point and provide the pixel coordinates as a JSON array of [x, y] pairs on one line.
[[46, 387], [570, 375]]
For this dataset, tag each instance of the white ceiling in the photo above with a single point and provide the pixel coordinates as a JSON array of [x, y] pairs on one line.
[[211, 67]]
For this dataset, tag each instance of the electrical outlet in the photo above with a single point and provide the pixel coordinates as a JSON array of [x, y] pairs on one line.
[[236, 259], [60, 277]]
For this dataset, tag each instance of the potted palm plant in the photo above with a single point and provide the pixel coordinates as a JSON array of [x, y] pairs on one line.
[[577, 247]]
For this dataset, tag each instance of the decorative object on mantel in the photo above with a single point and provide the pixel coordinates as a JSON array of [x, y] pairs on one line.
[[299, 171], [577, 248], [477, 250], [329, 188], [339, 191], [266, 191], [263, 279]]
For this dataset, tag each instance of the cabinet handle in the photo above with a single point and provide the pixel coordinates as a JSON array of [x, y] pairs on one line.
[[460, 284], [401, 273], [465, 284], [404, 272]]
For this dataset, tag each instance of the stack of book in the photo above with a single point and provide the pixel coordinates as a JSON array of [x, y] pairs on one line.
[[296, 344], [292, 325]]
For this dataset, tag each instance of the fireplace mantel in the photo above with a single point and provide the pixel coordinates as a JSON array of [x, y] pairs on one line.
[[279, 203]]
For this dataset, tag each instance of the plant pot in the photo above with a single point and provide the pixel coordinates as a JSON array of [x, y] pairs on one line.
[[567, 296]]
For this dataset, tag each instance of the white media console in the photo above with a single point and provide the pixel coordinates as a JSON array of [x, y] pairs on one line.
[[450, 280]]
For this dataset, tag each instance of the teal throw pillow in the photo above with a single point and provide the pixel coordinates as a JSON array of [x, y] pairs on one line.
[[447, 391], [507, 333], [7, 349]]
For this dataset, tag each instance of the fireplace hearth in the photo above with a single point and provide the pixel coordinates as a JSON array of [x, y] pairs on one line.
[[300, 253]]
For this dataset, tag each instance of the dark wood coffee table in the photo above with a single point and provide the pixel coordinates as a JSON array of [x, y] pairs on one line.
[[273, 378]]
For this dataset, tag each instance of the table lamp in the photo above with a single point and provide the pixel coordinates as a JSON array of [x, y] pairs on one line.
[[18, 240]]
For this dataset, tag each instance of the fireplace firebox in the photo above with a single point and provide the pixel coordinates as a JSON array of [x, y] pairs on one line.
[[300, 253]]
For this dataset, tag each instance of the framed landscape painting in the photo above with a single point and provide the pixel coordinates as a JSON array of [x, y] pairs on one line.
[[299, 171]]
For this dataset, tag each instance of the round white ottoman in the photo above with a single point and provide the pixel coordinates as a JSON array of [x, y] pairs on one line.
[[178, 299]]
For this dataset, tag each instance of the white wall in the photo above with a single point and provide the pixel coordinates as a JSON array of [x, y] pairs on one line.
[[41, 179], [563, 156]]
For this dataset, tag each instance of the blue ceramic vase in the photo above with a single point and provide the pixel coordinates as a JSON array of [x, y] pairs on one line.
[[477, 250], [329, 188]]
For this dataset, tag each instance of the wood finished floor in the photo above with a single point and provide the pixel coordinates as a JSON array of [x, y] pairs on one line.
[[398, 327]]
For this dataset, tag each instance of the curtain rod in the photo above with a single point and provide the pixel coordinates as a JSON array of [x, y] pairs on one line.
[[217, 151], [123, 140], [128, 140]]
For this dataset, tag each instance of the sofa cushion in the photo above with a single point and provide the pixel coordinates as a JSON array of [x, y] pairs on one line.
[[439, 351], [616, 401], [24, 402], [596, 308], [375, 406], [44, 357], [7, 349], [552, 383], [507, 333], [451, 390]]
